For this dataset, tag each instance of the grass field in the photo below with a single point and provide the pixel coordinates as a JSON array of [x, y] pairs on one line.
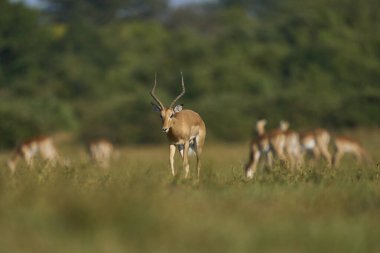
[[137, 206]]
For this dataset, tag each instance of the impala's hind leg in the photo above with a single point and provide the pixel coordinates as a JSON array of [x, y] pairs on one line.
[[316, 156], [326, 154], [185, 159], [199, 142], [292, 161], [269, 159]]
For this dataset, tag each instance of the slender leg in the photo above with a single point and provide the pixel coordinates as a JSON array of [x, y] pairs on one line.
[[251, 166], [316, 155], [337, 158], [199, 154], [282, 157], [269, 157], [292, 161], [199, 142], [28, 160], [248, 166], [326, 155], [171, 157], [185, 159], [301, 157]]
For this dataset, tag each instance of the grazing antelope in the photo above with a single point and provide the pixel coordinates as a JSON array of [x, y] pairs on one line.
[[345, 145], [100, 151], [292, 144], [317, 142], [185, 130], [29, 149], [260, 146]]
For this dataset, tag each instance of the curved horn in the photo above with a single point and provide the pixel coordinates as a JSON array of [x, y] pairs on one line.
[[154, 95], [180, 95]]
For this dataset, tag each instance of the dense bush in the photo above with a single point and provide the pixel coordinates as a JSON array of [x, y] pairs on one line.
[[314, 63]]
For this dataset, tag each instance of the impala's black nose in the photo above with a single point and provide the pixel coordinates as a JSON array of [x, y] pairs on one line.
[[165, 130]]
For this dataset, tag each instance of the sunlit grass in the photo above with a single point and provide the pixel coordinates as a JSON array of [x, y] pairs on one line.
[[137, 206]]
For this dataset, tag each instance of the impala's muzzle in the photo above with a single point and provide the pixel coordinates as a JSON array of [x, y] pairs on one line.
[[165, 130]]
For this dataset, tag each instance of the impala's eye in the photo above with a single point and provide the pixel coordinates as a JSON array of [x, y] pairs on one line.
[[171, 116]]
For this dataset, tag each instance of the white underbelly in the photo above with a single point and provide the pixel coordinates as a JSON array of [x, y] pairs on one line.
[[310, 144]]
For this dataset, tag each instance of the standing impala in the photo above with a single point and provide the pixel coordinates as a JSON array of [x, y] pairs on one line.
[[185, 130], [259, 147]]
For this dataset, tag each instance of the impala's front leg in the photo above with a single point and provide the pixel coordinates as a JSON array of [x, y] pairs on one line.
[[185, 159], [251, 166], [171, 157]]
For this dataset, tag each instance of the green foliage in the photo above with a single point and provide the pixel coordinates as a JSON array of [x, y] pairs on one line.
[[122, 120], [314, 63]]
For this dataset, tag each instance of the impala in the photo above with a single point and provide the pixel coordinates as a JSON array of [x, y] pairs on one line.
[[317, 142], [265, 144], [345, 145], [31, 148], [184, 129], [100, 152], [292, 145], [259, 147]]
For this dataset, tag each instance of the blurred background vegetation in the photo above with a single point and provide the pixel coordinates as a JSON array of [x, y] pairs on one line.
[[87, 67]]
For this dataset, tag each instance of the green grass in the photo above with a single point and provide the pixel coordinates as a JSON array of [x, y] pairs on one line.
[[137, 206]]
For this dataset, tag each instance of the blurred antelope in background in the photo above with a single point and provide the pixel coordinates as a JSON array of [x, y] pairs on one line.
[[100, 151], [345, 145], [28, 150], [292, 145], [267, 144], [259, 147], [263, 142], [317, 142], [185, 130]]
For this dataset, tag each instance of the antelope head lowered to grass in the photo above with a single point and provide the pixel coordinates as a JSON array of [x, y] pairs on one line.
[[185, 130], [42, 146], [344, 145]]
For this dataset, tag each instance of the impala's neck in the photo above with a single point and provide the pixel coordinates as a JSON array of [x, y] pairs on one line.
[[260, 127], [260, 130]]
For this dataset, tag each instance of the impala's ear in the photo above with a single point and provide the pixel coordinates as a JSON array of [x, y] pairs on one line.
[[178, 108], [156, 108]]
